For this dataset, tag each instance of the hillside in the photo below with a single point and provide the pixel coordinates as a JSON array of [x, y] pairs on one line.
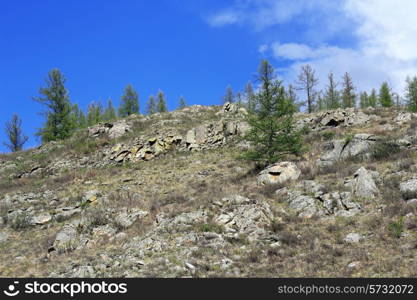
[[165, 196]]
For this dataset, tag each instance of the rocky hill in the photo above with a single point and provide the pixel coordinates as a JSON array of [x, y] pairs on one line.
[[165, 196]]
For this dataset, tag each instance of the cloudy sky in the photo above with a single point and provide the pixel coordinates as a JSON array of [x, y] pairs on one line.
[[374, 40], [194, 48]]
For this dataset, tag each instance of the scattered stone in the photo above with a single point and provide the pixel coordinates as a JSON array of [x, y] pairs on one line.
[[66, 239], [363, 184], [279, 173], [353, 238], [3, 237], [41, 219], [408, 188], [127, 218]]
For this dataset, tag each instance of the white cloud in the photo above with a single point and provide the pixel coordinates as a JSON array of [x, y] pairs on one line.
[[223, 18], [385, 30]]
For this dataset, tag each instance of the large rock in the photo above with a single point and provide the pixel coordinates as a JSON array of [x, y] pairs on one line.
[[358, 145], [279, 173], [363, 184], [66, 239], [408, 188]]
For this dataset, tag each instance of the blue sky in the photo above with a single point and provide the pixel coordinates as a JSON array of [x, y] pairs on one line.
[[193, 48]]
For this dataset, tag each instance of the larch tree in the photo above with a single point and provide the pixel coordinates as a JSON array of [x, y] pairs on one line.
[[182, 103], [411, 93], [307, 81], [348, 92], [13, 130], [385, 97], [272, 134], [250, 96], [364, 100], [161, 104], [151, 105], [129, 102], [228, 95], [59, 122], [109, 112], [373, 99], [331, 94]]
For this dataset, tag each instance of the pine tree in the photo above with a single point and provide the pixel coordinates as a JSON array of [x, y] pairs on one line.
[[373, 99], [14, 134], [228, 96], [348, 93], [271, 133], [59, 121], [331, 94], [129, 102], [161, 105], [182, 104], [151, 106], [364, 100], [307, 81], [110, 112], [250, 96], [411, 93], [385, 98]]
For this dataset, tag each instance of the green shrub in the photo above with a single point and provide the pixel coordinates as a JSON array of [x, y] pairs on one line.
[[328, 135], [384, 149], [20, 221], [396, 228], [211, 227]]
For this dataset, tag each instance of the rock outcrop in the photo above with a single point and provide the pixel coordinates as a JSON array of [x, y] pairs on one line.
[[355, 146]]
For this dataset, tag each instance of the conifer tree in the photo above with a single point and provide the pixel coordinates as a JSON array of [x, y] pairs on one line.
[[364, 100], [348, 93], [385, 98], [331, 94], [95, 113], [250, 96], [161, 105], [13, 129], [228, 96], [239, 99], [151, 105], [321, 102], [271, 134], [129, 102], [411, 93], [182, 104], [293, 98], [307, 81], [373, 99], [59, 122], [110, 112], [78, 116]]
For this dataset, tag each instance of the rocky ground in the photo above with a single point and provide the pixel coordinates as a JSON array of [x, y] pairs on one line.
[[166, 196]]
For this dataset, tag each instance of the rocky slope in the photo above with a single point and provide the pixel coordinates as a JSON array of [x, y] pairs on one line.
[[165, 196]]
